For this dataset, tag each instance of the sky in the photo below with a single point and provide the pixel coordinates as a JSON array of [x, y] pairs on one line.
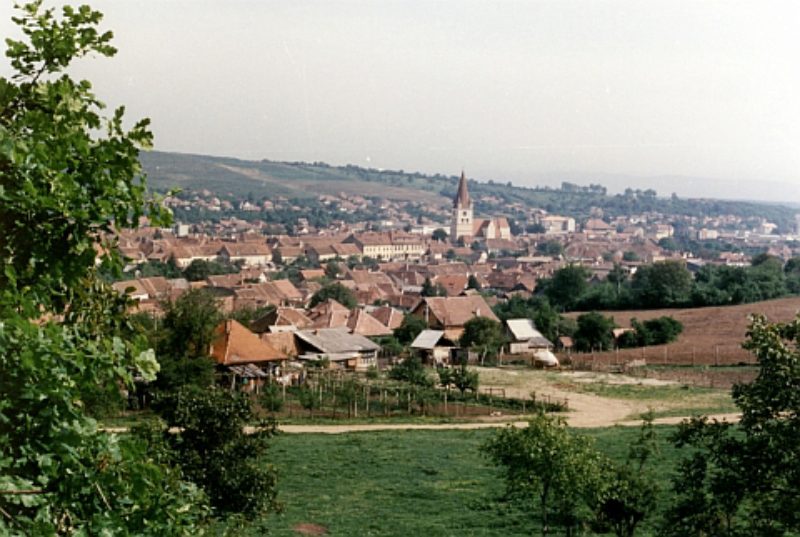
[[697, 97]]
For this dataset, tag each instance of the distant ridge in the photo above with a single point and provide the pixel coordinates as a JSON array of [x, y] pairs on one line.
[[239, 179]]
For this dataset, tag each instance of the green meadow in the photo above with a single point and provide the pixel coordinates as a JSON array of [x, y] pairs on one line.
[[414, 483]]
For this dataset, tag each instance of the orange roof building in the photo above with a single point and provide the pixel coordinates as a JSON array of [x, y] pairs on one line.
[[235, 345]]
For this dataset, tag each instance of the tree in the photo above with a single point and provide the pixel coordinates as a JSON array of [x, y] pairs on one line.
[[551, 248], [337, 292], [332, 269], [627, 492], [566, 286], [594, 332], [429, 289], [214, 451], [792, 271], [412, 371], [409, 329], [663, 284], [473, 283], [68, 179], [184, 341], [483, 335], [548, 466], [439, 234], [744, 478]]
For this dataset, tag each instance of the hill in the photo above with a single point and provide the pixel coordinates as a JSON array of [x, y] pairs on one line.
[[240, 179]]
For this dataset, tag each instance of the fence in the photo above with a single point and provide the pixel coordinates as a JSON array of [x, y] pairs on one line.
[[667, 355]]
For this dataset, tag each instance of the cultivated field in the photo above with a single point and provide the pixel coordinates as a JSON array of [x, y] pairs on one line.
[[711, 336]]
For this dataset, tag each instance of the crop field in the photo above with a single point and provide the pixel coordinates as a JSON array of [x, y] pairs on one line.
[[711, 336], [401, 483]]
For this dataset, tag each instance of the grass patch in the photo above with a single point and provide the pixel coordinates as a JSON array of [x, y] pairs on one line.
[[400, 483]]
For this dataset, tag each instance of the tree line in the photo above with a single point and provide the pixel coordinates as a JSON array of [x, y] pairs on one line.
[[670, 284]]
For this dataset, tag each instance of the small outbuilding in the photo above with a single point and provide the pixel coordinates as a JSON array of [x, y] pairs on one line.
[[434, 347]]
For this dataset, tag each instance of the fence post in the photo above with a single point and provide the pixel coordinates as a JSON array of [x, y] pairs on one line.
[[716, 355]]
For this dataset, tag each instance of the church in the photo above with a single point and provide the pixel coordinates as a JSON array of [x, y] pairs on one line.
[[464, 227]]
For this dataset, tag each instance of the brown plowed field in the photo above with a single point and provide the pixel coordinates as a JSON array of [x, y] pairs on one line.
[[711, 336]]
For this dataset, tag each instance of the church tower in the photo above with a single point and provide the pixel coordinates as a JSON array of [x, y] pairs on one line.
[[461, 225]]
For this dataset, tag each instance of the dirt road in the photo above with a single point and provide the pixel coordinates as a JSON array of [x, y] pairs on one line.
[[352, 428]]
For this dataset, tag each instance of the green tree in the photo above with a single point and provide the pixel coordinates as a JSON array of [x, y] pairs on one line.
[[547, 466], [409, 329], [663, 284], [68, 179], [627, 492], [439, 234], [429, 289], [214, 451], [271, 398], [744, 478], [333, 270], [792, 271], [337, 292], [566, 286], [483, 335], [594, 332], [412, 371], [536, 308], [551, 248], [473, 283], [184, 340]]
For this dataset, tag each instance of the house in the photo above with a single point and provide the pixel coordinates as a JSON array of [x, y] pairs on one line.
[[243, 356], [339, 346], [451, 313], [388, 316], [362, 323], [526, 340], [282, 316], [153, 288], [434, 347], [557, 225], [250, 254]]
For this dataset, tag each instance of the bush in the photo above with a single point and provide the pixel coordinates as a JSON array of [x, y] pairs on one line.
[[215, 453]]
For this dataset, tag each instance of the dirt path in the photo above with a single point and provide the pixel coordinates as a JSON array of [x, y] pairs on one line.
[[353, 428]]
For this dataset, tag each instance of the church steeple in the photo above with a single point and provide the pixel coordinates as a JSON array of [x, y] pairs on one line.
[[462, 196], [461, 223]]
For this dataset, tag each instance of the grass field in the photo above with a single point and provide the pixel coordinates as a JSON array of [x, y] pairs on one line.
[[424, 483]]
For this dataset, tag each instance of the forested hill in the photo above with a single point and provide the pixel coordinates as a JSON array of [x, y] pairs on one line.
[[240, 179]]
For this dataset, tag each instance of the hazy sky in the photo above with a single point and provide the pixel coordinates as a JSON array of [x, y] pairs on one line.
[[530, 92]]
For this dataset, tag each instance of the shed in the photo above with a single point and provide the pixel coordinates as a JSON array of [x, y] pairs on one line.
[[525, 338], [434, 347]]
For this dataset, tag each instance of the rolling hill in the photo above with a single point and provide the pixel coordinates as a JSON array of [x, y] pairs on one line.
[[239, 179]]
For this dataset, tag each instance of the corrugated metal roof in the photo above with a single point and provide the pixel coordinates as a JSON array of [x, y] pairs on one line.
[[523, 329], [427, 339], [336, 340]]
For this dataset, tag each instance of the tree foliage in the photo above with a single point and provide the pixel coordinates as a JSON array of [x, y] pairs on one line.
[[184, 340], [594, 332], [68, 179], [215, 452], [409, 329], [483, 335], [548, 468], [337, 292], [744, 478], [566, 286], [663, 284]]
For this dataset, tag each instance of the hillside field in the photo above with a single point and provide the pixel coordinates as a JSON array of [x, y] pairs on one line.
[[711, 336]]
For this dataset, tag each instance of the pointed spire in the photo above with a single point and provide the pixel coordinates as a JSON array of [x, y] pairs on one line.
[[462, 196]]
